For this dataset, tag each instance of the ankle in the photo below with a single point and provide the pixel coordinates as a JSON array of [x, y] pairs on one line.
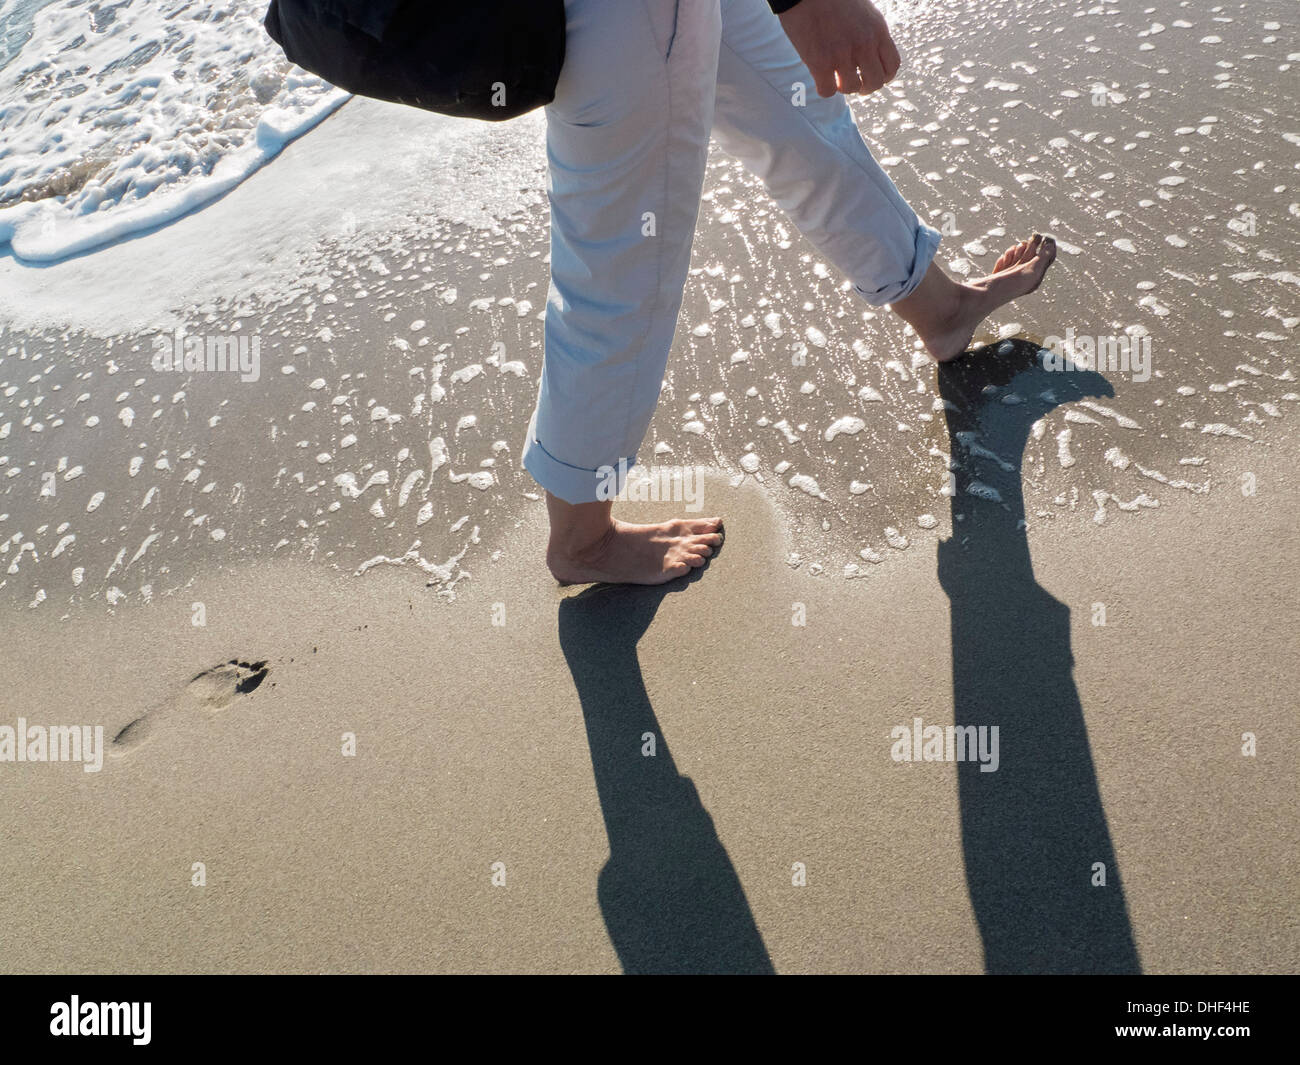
[[937, 299], [579, 545], [578, 530]]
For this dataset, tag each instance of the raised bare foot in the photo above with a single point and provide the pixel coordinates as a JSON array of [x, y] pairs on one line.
[[638, 554], [944, 313]]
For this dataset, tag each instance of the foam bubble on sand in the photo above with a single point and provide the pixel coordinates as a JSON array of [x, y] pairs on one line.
[[444, 574], [438, 455], [783, 426], [969, 440], [148, 540], [1063, 448], [980, 490], [1141, 500], [849, 425], [466, 373], [807, 484], [480, 479], [1121, 420], [407, 486], [1222, 429]]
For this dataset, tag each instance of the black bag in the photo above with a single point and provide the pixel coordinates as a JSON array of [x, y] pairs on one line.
[[489, 59]]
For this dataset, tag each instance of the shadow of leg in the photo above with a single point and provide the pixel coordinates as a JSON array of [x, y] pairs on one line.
[[1033, 831], [670, 897]]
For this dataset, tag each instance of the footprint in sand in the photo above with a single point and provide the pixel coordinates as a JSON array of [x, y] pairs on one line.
[[212, 690]]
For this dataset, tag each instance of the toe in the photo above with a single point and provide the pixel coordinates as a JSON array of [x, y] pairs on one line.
[[695, 526], [1014, 256], [1044, 258]]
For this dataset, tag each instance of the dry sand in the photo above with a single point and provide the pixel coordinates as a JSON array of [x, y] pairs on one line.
[[475, 744]]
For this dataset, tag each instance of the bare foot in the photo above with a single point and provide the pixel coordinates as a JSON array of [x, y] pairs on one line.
[[945, 313], [638, 554]]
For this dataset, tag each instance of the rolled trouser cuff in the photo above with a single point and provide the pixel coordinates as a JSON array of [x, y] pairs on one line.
[[574, 484], [926, 245]]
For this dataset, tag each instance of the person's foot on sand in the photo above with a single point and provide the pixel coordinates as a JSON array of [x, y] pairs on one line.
[[638, 554], [944, 314]]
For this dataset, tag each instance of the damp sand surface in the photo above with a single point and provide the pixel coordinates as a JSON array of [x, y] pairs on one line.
[[349, 811]]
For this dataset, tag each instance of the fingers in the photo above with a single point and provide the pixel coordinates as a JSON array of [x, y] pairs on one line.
[[871, 73], [846, 73], [890, 60], [872, 67], [824, 76], [856, 63]]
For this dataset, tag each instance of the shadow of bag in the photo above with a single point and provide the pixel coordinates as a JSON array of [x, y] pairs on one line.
[[488, 59]]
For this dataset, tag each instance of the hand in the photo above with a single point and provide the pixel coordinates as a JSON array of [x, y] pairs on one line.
[[845, 43]]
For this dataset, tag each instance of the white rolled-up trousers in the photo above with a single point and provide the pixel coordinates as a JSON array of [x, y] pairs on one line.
[[644, 84]]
